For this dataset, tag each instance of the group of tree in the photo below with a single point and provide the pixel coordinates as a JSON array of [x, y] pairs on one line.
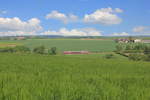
[[132, 48], [134, 51], [109, 56], [24, 49]]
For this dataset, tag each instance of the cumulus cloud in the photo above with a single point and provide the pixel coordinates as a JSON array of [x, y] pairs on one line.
[[3, 12], [141, 30], [17, 33], [74, 32], [121, 34], [118, 10], [62, 17], [15, 26], [106, 16]]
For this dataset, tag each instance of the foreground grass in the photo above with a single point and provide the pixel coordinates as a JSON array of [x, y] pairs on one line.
[[37, 77]]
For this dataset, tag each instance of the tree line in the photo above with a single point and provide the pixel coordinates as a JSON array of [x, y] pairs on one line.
[[134, 51], [24, 49]]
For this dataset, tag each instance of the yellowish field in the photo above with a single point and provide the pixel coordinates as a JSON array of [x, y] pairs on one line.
[[9, 44]]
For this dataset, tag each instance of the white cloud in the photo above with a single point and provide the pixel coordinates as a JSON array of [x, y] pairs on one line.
[[17, 33], [75, 32], [121, 34], [106, 16], [141, 30], [118, 10], [62, 17], [3, 12], [15, 26]]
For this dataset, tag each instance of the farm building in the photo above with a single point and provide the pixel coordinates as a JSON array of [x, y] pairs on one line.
[[20, 38], [128, 40], [75, 52], [137, 40], [122, 40], [145, 41]]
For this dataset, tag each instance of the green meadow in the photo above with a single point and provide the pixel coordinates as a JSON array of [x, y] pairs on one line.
[[68, 44], [44, 77], [72, 77]]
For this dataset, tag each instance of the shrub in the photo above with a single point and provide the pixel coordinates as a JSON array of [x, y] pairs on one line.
[[109, 56], [39, 50], [137, 57], [7, 49], [133, 51], [147, 50], [15, 49], [53, 51], [147, 57], [119, 47], [21, 49], [129, 46]]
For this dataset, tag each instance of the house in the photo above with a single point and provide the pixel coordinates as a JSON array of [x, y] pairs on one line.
[[128, 40], [145, 41], [75, 52], [122, 40], [137, 40], [20, 38]]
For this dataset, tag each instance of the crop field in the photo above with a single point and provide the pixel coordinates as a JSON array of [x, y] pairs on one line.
[[9, 44], [69, 44], [72, 77]]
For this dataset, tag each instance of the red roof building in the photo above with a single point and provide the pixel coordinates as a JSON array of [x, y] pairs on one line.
[[75, 52]]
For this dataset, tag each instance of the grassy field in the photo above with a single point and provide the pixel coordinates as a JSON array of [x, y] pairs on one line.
[[72, 77], [68, 44]]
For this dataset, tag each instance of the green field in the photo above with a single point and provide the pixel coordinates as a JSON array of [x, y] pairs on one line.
[[68, 44], [72, 77]]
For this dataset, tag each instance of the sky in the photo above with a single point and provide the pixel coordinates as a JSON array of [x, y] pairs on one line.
[[75, 17]]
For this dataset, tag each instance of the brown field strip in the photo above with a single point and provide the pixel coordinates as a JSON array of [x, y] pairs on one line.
[[9, 44]]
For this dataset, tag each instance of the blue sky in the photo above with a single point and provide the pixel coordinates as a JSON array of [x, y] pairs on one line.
[[67, 17]]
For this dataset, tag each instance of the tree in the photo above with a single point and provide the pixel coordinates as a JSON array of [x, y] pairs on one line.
[[147, 50], [7, 49], [109, 56], [147, 57], [39, 50], [21, 49], [136, 57], [53, 51], [119, 47], [131, 39], [128, 47]]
